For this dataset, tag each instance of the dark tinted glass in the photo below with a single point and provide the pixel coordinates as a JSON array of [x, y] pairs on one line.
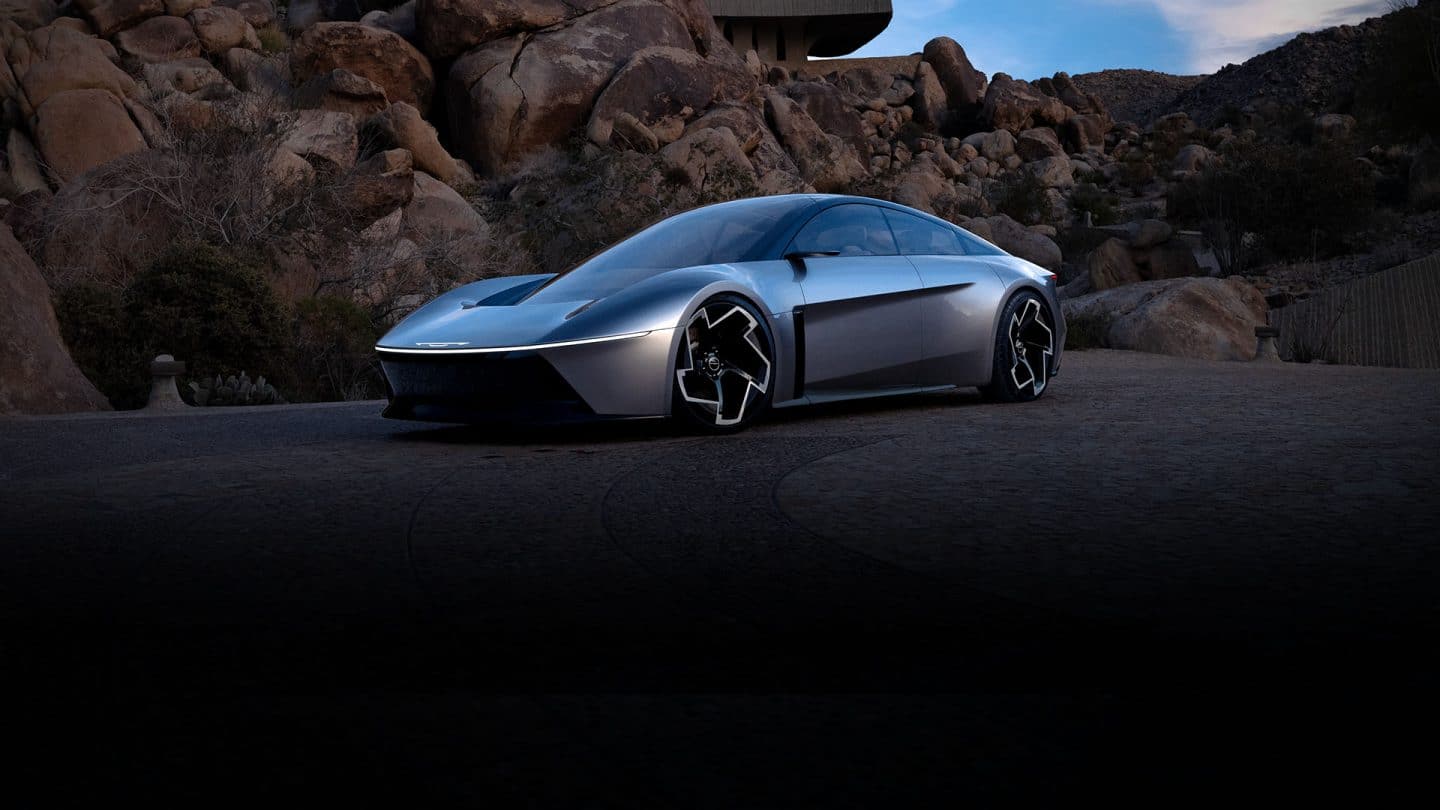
[[718, 234], [851, 230], [916, 237]]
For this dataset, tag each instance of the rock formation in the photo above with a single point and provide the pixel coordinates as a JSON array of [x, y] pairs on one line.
[[36, 372]]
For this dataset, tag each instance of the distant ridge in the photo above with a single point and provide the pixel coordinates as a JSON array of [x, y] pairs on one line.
[[1137, 96]]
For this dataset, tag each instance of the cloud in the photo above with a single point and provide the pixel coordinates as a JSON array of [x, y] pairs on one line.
[[1223, 31]]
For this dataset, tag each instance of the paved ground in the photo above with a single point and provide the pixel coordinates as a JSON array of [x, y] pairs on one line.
[[1165, 578]]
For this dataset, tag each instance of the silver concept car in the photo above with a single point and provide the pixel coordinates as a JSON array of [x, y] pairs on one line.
[[719, 313]]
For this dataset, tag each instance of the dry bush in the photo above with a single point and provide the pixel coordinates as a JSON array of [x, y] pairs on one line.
[[213, 184]]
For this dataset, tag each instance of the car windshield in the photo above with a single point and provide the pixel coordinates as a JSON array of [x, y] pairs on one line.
[[717, 234]]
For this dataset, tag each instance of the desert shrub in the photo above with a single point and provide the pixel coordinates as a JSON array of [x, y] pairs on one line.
[[272, 39], [93, 323], [1024, 200], [212, 309], [1279, 201], [910, 134], [1086, 332], [1104, 208], [1137, 171], [334, 356]]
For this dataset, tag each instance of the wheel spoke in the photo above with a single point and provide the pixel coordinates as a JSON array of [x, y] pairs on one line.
[[1032, 344], [724, 367]]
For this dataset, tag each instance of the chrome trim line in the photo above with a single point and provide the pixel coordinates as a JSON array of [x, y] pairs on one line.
[[501, 349]]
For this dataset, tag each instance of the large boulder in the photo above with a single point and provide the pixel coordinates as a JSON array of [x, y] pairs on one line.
[[220, 29], [1173, 259], [159, 39], [1014, 238], [1204, 318], [922, 187], [342, 91], [53, 60], [1014, 105], [514, 96], [834, 111], [110, 16], [824, 163], [323, 136], [36, 372], [182, 8], [448, 28], [25, 171], [1086, 132], [400, 19], [656, 83], [256, 73], [1051, 172], [447, 228], [381, 56], [964, 85], [401, 125], [1063, 88], [183, 76], [380, 185], [51, 43], [1110, 265], [1193, 158], [28, 14], [708, 157], [771, 161], [78, 130], [995, 146], [259, 13], [931, 102], [1038, 144]]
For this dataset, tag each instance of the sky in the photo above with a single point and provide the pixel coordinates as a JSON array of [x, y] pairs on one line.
[[1032, 38]]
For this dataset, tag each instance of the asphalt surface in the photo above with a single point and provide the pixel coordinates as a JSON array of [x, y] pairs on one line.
[[1167, 581]]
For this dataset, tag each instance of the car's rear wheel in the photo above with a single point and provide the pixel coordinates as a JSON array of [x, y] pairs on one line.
[[1024, 350], [725, 367]]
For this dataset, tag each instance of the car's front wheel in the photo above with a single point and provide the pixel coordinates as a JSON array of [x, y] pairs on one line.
[[1024, 351], [725, 366]]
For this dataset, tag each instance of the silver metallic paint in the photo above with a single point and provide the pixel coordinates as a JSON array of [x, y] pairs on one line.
[[873, 325]]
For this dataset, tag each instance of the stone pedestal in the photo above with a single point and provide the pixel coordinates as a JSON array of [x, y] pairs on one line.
[[1265, 349], [164, 393]]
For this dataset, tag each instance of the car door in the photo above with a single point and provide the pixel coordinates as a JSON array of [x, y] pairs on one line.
[[957, 303], [861, 320]]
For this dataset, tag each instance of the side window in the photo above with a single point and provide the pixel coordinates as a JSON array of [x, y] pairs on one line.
[[852, 230], [975, 246], [917, 237]]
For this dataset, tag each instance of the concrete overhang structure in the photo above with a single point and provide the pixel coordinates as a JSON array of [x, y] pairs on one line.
[[791, 31]]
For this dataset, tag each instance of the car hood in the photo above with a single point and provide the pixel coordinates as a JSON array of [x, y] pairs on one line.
[[480, 326], [497, 313]]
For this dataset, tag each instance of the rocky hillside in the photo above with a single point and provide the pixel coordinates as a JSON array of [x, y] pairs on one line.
[[323, 175], [1138, 96], [1317, 72]]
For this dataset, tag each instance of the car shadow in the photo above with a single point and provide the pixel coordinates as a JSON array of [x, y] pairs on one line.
[[533, 434], [643, 430], [962, 397]]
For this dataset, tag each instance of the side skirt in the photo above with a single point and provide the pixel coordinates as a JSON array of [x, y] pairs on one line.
[[846, 396]]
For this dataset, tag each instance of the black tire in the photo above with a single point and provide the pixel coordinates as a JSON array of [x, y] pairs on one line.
[[724, 370], [1024, 350]]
